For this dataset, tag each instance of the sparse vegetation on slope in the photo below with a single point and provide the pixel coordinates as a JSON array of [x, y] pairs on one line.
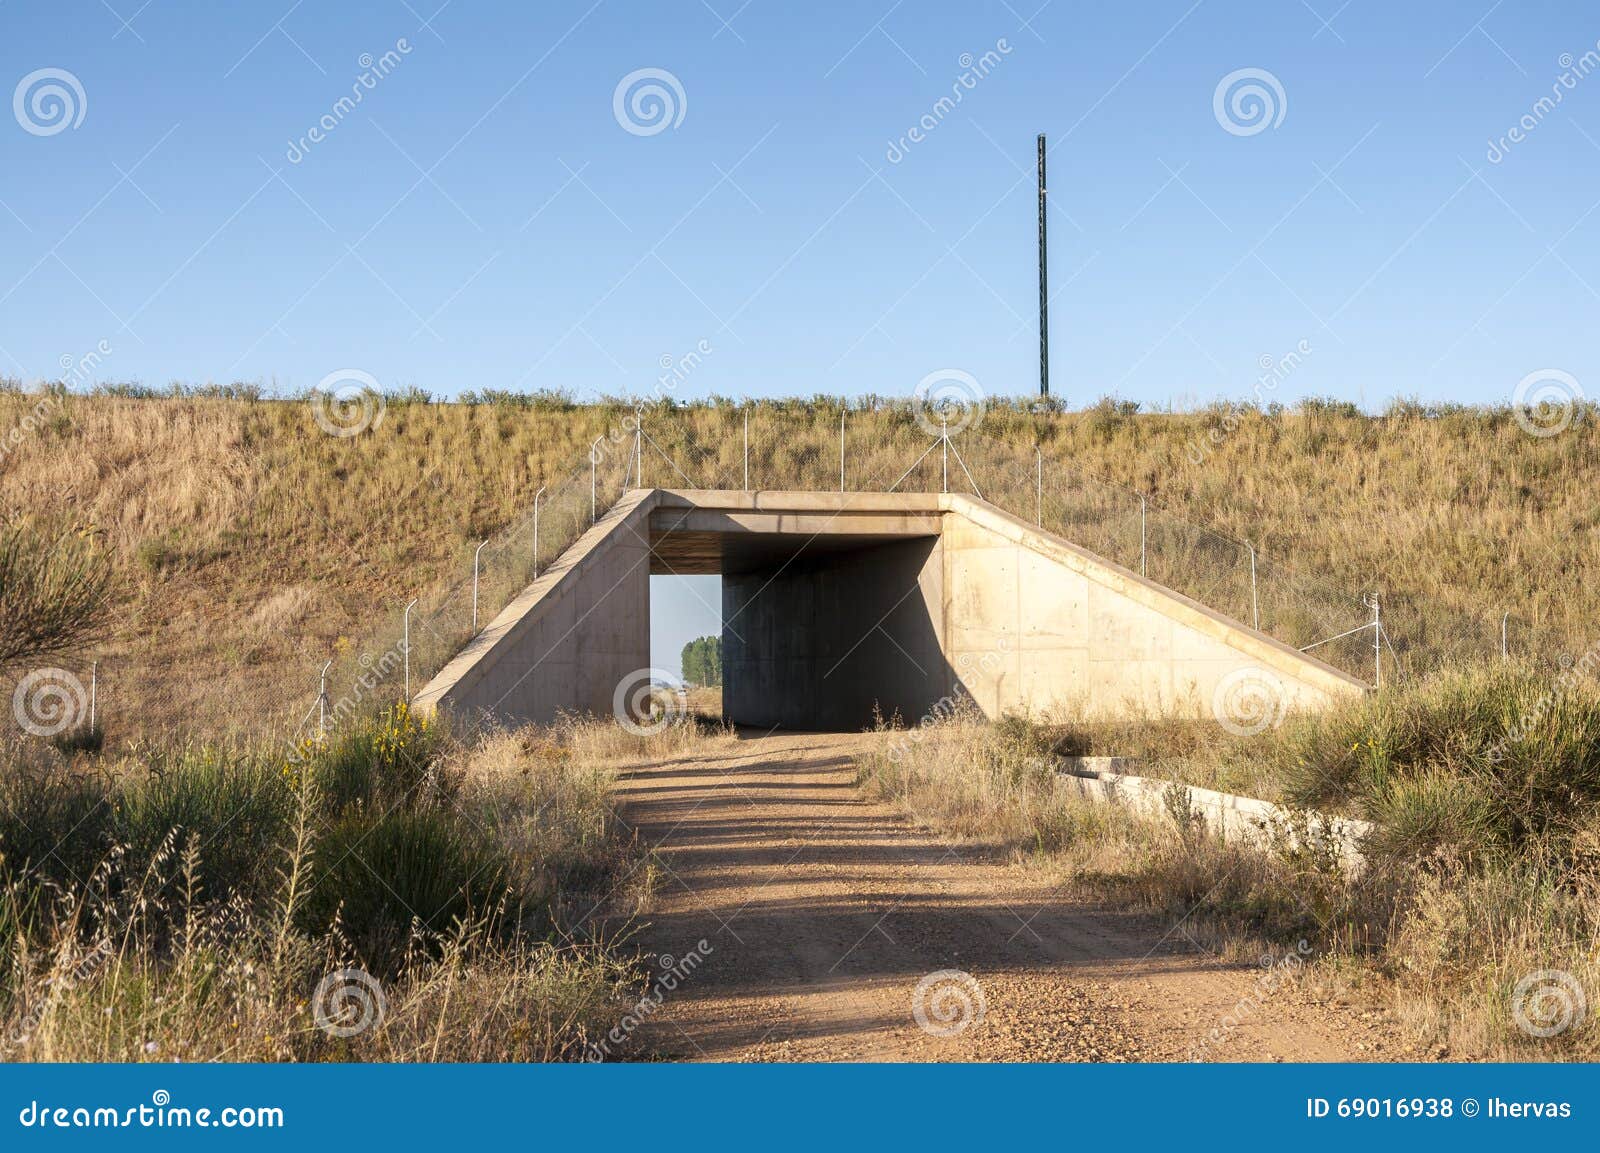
[[250, 547]]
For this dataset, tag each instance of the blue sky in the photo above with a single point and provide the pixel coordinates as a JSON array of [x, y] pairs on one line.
[[482, 218]]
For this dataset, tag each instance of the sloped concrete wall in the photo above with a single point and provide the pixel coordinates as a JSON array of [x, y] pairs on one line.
[[817, 644], [1036, 624], [567, 640]]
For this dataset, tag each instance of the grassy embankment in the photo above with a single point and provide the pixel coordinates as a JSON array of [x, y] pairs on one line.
[[250, 547]]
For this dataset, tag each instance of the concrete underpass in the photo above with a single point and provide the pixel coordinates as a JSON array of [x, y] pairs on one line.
[[839, 605]]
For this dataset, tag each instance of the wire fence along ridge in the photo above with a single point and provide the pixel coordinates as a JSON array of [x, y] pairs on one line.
[[305, 694]]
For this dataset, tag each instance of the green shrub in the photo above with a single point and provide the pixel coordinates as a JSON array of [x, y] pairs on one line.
[[1494, 757], [379, 877], [55, 595], [54, 824], [387, 760], [81, 739], [235, 807]]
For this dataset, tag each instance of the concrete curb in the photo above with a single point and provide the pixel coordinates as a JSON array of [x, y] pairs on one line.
[[1241, 820], [1094, 766]]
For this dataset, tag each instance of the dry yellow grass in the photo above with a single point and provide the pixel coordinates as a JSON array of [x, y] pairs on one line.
[[252, 547]]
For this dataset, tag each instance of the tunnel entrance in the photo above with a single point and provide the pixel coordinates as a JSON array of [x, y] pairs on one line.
[[820, 631]]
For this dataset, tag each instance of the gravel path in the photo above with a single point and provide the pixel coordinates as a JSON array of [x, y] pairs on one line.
[[823, 913]]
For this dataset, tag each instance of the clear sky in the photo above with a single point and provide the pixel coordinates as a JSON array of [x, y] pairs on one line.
[[483, 218], [682, 609], [193, 184]]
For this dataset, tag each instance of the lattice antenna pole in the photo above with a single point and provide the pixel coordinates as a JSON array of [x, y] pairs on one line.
[[1044, 284]]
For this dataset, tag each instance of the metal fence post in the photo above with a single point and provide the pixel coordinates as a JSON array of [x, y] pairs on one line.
[[638, 448], [841, 449], [944, 438], [406, 645], [536, 497], [747, 450], [1505, 653], [1038, 487], [1255, 604], [1377, 644], [94, 689], [593, 450], [1144, 569], [475, 554], [322, 701]]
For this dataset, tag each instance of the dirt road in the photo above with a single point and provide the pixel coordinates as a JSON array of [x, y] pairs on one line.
[[822, 914]]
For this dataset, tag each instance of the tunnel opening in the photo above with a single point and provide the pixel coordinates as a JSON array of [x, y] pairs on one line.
[[820, 631], [686, 639]]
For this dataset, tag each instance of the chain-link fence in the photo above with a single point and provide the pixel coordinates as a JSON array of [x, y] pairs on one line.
[[822, 445]]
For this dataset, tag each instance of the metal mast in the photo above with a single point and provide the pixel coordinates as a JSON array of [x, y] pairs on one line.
[[1044, 286]]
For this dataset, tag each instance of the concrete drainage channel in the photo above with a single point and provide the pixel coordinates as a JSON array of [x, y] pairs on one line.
[[1243, 820]]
